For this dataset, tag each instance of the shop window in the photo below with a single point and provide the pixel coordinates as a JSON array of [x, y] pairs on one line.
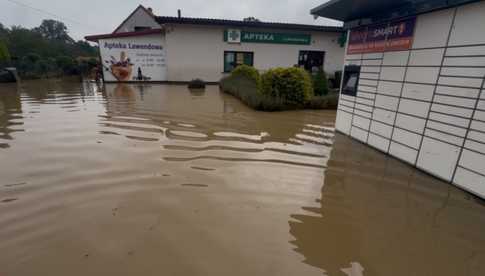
[[233, 59], [350, 80], [141, 28], [311, 60]]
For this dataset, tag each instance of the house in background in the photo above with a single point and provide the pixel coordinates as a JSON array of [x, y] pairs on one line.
[[146, 47], [413, 84]]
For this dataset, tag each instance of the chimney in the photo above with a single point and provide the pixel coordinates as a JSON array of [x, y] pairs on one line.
[[150, 10], [179, 13]]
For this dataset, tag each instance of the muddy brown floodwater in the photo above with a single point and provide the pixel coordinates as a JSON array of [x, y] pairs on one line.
[[160, 180]]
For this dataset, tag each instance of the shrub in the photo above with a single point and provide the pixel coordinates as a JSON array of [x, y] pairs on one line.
[[292, 85], [248, 92], [196, 83], [320, 83], [248, 72]]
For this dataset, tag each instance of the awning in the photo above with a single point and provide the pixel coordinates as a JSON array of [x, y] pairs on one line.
[[349, 10]]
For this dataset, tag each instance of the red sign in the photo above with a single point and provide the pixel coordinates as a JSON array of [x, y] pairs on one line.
[[394, 36]]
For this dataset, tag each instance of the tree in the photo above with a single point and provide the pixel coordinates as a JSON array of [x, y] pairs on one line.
[[251, 19], [4, 53], [54, 30]]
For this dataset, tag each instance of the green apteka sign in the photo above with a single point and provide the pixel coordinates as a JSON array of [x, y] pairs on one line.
[[238, 36]]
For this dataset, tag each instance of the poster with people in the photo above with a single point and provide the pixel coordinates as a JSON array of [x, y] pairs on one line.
[[136, 58]]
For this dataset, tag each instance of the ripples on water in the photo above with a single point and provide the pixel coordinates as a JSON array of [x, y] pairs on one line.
[[159, 180]]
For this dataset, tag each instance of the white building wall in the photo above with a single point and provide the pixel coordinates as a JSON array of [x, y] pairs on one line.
[[139, 18], [426, 106], [198, 52]]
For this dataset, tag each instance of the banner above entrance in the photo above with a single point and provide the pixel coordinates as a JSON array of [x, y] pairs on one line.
[[395, 36], [238, 36]]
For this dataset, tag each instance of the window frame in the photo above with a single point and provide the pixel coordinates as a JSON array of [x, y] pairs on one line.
[[225, 70]]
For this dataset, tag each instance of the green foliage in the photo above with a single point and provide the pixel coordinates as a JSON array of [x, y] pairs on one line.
[[53, 30], [293, 85], [248, 72], [247, 91], [46, 50], [320, 83], [4, 53]]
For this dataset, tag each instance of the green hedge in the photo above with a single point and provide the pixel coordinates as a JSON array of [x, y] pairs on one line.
[[293, 85], [278, 89], [320, 83], [248, 72]]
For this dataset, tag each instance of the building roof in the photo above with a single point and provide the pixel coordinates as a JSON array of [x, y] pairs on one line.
[[95, 38], [240, 23], [375, 10]]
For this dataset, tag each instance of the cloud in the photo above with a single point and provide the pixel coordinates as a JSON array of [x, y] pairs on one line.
[[103, 16]]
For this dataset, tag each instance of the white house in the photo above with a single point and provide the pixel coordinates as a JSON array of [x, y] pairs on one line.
[[146, 47]]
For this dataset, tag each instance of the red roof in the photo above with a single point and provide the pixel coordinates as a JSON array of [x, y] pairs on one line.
[[126, 34]]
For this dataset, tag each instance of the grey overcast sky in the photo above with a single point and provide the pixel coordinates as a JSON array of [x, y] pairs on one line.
[[85, 17]]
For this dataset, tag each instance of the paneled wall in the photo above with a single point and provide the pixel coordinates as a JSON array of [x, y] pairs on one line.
[[426, 105]]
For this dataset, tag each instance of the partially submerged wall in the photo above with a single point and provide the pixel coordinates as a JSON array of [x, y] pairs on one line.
[[426, 105]]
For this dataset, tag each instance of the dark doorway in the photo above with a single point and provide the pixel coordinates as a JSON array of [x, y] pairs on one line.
[[311, 60]]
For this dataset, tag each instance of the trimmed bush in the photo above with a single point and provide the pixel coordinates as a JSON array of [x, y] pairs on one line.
[[320, 83], [196, 83], [247, 91], [248, 72], [292, 85]]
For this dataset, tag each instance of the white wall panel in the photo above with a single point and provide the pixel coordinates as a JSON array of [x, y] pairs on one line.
[[470, 181], [463, 71], [389, 88], [473, 161], [464, 61], [432, 29], [426, 57], [458, 131], [410, 123], [386, 102], [466, 51], [375, 69], [399, 58], [449, 119], [438, 158], [458, 111], [359, 134], [469, 27], [422, 74], [393, 73], [381, 129], [378, 142], [407, 138], [470, 103], [413, 107], [384, 115], [343, 122], [403, 152], [457, 91], [476, 146], [444, 137], [460, 81], [372, 56], [418, 91], [361, 122]]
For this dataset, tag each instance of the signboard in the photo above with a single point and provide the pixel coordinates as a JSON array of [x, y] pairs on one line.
[[140, 58], [394, 36], [238, 36]]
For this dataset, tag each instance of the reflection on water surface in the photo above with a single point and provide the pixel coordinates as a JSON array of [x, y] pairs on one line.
[[161, 180]]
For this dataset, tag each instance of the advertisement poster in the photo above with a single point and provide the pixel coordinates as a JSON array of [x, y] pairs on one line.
[[140, 58], [394, 36]]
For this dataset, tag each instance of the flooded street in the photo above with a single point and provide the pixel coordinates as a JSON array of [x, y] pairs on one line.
[[160, 180]]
